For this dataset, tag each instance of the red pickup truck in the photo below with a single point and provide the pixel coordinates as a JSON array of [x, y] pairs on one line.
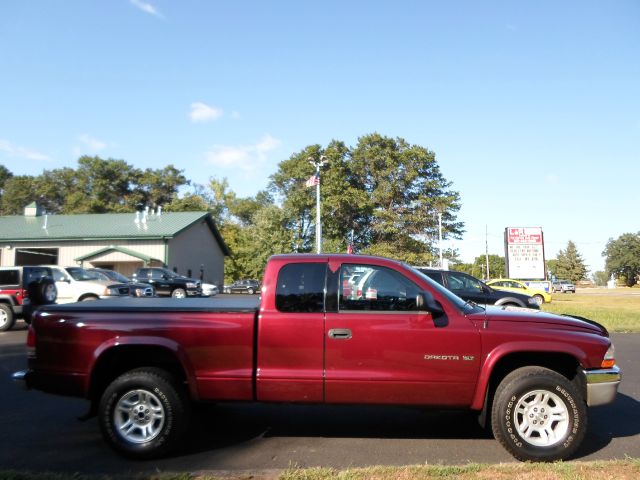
[[334, 329]]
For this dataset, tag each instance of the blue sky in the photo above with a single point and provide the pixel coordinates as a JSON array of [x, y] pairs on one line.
[[532, 108]]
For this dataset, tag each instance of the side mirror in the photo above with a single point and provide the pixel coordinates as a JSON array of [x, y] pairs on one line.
[[425, 300]]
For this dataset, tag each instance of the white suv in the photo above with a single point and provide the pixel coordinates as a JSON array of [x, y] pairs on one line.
[[76, 284]]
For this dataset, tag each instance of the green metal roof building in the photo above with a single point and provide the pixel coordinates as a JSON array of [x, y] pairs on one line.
[[187, 242]]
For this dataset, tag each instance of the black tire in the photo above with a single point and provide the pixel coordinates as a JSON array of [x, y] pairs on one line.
[[539, 299], [89, 298], [250, 291], [538, 415], [146, 391], [179, 293], [7, 318]]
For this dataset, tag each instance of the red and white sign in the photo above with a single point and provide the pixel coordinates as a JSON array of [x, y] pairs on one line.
[[526, 235], [525, 252]]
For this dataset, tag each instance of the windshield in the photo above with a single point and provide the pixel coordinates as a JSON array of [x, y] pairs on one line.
[[168, 273], [460, 304], [81, 275]]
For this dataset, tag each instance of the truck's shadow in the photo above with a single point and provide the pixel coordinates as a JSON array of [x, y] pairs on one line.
[[617, 420], [227, 425]]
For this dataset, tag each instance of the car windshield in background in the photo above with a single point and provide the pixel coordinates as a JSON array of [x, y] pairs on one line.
[[168, 273], [80, 274], [466, 307]]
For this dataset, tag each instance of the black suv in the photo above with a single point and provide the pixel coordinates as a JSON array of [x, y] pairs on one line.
[[243, 286], [470, 288], [22, 289], [168, 283]]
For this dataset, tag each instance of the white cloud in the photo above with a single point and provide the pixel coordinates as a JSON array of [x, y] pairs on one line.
[[146, 7], [245, 157], [22, 152], [201, 112], [88, 144]]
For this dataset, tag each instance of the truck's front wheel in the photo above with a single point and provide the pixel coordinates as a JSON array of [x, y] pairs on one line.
[[143, 413], [538, 415]]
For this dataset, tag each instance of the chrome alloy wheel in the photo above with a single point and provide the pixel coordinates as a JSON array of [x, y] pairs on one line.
[[139, 416], [541, 418]]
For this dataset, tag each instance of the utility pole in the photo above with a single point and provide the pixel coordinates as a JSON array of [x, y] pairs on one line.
[[440, 236], [319, 163], [486, 248]]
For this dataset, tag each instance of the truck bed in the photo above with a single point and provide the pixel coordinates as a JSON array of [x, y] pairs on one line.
[[243, 304]]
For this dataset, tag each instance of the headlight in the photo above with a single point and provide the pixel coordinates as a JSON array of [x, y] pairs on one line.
[[192, 285], [609, 359]]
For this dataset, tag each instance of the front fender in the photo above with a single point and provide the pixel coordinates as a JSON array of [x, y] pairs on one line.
[[501, 351]]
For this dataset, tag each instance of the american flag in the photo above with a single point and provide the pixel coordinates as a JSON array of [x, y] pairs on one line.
[[313, 181]]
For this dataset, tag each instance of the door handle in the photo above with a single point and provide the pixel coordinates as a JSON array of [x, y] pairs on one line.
[[340, 333]]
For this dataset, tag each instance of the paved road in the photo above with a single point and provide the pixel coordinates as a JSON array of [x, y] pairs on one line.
[[40, 432]]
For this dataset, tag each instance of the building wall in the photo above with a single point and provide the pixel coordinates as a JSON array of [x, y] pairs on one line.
[[194, 248]]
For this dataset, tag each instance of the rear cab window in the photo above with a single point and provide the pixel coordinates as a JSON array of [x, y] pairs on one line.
[[301, 287]]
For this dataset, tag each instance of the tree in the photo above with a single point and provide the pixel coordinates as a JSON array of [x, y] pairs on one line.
[[623, 257], [570, 265], [384, 190], [19, 191], [157, 187], [478, 268], [5, 175], [600, 278]]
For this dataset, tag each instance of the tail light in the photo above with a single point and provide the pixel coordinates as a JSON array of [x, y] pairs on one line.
[[31, 342]]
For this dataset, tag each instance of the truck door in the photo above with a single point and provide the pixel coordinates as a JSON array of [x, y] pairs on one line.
[[290, 341], [381, 347]]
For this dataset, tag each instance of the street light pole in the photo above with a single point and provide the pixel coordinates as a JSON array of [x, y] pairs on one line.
[[319, 163]]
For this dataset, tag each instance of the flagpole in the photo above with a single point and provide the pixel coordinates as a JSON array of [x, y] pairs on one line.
[[318, 164]]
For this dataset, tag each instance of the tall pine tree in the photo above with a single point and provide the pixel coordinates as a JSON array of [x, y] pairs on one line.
[[569, 264]]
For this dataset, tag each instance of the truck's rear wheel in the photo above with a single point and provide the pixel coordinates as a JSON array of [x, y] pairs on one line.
[[143, 413], [538, 415], [7, 318]]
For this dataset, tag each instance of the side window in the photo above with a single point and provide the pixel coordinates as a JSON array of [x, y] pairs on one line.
[[300, 287], [9, 277], [155, 274], [59, 276], [436, 276], [366, 287], [143, 273], [463, 283]]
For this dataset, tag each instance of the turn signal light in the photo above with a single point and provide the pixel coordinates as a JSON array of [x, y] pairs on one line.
[[609, 359]]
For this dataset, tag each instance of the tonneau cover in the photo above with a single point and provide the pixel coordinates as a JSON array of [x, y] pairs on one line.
[[243, 304]]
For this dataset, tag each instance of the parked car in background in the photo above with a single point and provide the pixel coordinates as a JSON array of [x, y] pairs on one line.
[[470, 288], [243, 286], [75, 284], [209, 290], [509, 285], [22, 289], [168, 283], [135, 289], [563, 286]]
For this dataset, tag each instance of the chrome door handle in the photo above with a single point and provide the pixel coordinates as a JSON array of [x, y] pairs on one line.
[[340, 333]]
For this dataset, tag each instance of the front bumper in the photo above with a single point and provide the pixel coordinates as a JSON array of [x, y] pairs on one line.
[[602, 385]]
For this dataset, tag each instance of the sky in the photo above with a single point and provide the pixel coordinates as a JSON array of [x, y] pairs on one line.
[[532, 108]]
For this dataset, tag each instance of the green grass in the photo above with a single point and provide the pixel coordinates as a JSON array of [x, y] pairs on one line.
[[628, 469], [618, 310]]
